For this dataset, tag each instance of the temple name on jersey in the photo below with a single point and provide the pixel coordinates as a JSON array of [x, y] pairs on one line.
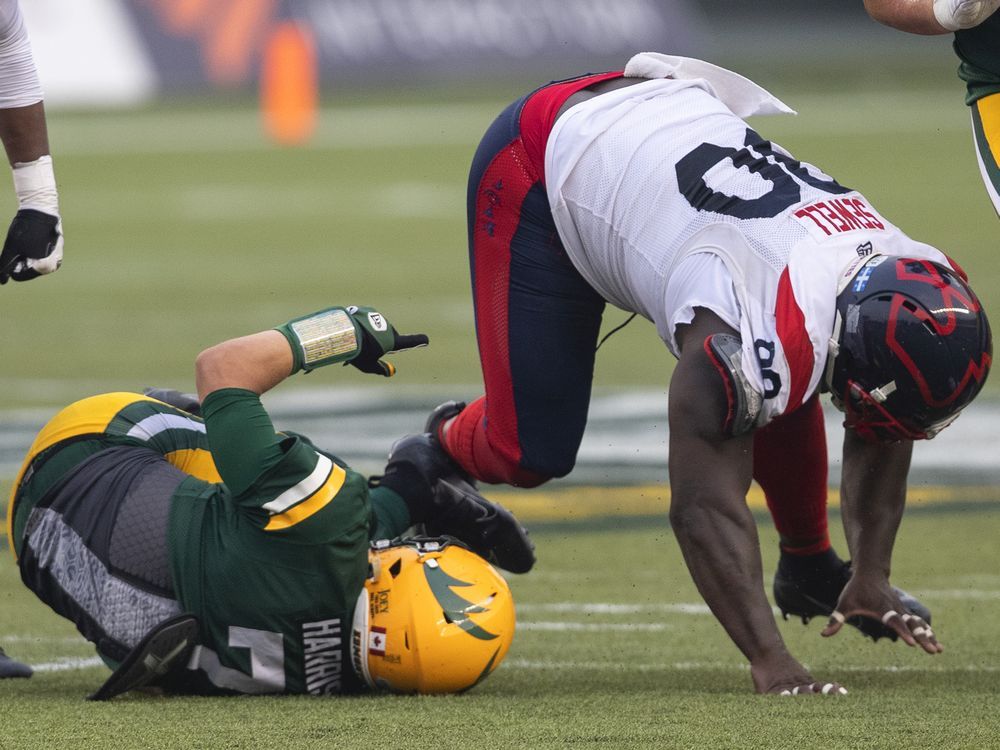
[[323, 656], [837, 215]]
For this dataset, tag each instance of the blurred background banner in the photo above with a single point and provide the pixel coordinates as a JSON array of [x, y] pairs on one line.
[[89, 52], [116, 51]]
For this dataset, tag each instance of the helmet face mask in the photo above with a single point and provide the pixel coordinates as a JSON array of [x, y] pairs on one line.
[[911, 347], [432, 617]]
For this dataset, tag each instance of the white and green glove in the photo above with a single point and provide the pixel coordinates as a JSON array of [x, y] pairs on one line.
[[359, 336]]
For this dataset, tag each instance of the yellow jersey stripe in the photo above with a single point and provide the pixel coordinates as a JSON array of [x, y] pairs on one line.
[[197, 462], [989, 114], [306, 487], [313, 504]]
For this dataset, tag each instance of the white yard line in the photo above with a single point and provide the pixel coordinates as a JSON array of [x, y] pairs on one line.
[[68, 664], [611, 608], [609, 666], [686, 666], [595, 627], [74, 663]]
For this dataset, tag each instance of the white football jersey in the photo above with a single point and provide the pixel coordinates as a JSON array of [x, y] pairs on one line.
[[19, 86], [643, 177]]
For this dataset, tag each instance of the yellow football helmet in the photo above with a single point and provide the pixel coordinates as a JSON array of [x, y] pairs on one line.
[[433, 617]]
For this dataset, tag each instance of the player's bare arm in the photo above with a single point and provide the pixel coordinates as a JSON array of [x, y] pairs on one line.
[[710, 473], [353, 335], [931, 16], [873, 496], [23, 133], [257, 363], [34, 242]]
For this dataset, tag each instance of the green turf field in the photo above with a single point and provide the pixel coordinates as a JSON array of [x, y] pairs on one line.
[[184, 227], [613, 650]]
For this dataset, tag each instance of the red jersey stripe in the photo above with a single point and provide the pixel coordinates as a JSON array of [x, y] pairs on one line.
[[790, 324]]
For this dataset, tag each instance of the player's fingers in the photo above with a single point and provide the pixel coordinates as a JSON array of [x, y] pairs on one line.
[[834, 624], [816, 688], [410, 341], [893, 620], [923, 634]]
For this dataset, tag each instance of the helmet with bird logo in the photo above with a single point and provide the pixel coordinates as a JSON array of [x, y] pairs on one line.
[[433, 617]]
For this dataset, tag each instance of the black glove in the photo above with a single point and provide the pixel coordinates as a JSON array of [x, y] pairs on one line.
[[34, 246], [416, 463], [379, 336]]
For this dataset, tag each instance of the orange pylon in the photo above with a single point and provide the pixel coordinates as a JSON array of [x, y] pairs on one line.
[[289, 84]]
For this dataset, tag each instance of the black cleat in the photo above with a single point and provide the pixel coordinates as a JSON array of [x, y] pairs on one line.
[[164, 649], [441, 414], [488, 529], [10, 668], [810, 586]]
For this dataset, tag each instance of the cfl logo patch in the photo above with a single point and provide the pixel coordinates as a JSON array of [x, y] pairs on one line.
[[377, 321], [861, 280]]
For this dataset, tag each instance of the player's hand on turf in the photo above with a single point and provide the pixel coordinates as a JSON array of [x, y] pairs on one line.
[[34, 246], [873, 597], [781, 674], [963, 14], [379, 336]]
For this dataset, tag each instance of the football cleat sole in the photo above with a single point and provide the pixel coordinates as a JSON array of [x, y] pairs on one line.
[[792, 601], [485, 527], [165, 648]]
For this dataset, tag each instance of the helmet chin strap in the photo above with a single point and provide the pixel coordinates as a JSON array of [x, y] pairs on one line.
[[883, 392], [833, 349], [856, 396]]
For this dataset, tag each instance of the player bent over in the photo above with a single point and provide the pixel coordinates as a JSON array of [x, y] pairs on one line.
[[214, 554], [769, 281]]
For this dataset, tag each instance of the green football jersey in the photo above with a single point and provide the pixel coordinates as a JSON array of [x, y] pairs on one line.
[[268, 536], [979, 50]]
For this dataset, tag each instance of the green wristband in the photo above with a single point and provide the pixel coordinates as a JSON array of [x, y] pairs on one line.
[[321, 338]]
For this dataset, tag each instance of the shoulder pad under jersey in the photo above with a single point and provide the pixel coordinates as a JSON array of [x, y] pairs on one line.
[[744, 403]]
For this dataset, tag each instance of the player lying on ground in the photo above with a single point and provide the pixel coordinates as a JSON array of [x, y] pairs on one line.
[[769, 280], [976, 25], [130, 516]]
